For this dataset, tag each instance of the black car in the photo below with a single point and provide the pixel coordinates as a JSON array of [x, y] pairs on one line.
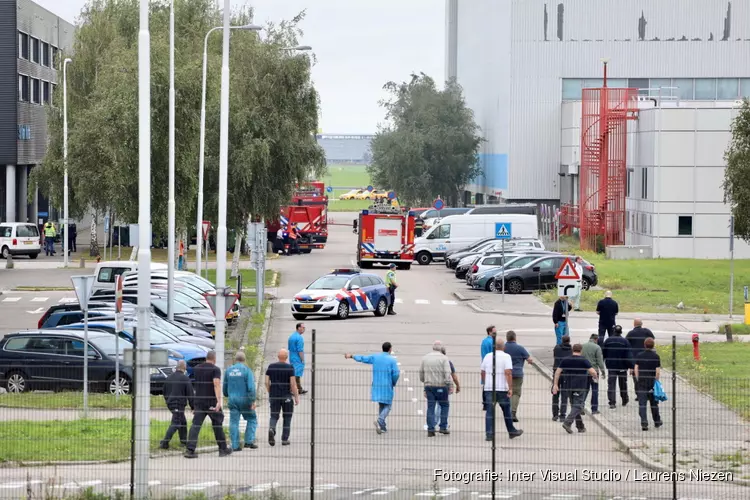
[[453, 257], [74, 306], [540, 275], [53, 360]]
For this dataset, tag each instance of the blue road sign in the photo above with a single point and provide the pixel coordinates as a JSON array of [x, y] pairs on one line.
[[391, 195], [329, 189], [503, 230], [43, 214], [106, 223], [370, 188], [438, 204]]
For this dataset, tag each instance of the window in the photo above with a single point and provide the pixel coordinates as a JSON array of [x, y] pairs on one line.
[[55, 59], [108, 274], [727, 88], [617, 83], [45, 54], [745, 87], [35, 46], [705, 89], [6, 231], [520, 262], [628, 182], [75, 348], [644, 183], [593, 83], [685, 225], [23, 45], [661, 86], [639, 83], [36, 91], [547, 264], [27, 231], [23, 88], [18, 344], [45, 92], [571, 89], [627, 220], [442, 232], [684, 88]]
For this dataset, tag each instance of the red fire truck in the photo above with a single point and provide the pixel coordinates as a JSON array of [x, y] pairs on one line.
[[308, 211], [386, 235]]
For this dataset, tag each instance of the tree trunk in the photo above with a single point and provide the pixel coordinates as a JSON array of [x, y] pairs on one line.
[[239, 235], [94, 247]]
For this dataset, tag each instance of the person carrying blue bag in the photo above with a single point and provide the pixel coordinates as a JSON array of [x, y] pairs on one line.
[[647, 371]]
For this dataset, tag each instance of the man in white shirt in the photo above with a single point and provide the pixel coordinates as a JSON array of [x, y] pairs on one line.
[[502, 386], [579, 282]]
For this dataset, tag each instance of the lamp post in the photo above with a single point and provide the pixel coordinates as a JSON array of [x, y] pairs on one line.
[[171, 202], [199, 222], [65, 161]]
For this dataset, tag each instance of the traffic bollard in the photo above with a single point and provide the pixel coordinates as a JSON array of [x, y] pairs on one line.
[[696, 347]]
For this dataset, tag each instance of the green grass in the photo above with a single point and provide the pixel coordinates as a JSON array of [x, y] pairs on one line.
[[737, 328], [351, 176], [71, 400], [248, 277], [254, 332], [75, 440], [658, 285], [723, 371], [336, 205]]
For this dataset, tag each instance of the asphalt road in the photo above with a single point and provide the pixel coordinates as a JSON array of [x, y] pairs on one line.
[[22, 310], [351, 460]]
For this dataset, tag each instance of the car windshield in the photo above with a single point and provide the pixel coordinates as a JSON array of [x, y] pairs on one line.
[[192, 294], [110, 346], [329, 283], [187, 301], [198, 282], [158, 336], [169, 328], [179, 308]]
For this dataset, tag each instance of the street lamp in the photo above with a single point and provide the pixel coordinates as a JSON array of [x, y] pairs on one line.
[[199, 223], [65, 161], [171, 202]]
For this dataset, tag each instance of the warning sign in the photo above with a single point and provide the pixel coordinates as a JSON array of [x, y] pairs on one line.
[[567, 271]]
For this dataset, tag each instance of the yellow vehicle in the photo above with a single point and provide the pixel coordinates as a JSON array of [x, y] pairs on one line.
[[371, 195], [351, 195]]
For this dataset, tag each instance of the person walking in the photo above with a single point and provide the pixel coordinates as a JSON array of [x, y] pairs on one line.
[[560, 398], [593, 354], [72, 235], [239, 388], [385, 375], [577, 372], [49, 238], [578, 263], [618, 358], [278, 244], [390, 283], [501, 385], [208, 403], [560, 312], [488, 345], [647, 371], [607, 309], [454, 376], [637, 338], [296, 347], [281, 386], [178, 393], [435, 374], [518, 355]]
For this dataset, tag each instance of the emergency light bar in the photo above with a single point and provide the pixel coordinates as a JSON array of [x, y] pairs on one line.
[[346, 270]]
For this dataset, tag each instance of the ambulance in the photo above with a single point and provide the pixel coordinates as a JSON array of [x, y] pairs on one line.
[[386, 235]]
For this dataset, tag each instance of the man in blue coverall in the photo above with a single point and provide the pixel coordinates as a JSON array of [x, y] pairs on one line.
[[239, 387], [385, 374], [296, 348], [488, 345]]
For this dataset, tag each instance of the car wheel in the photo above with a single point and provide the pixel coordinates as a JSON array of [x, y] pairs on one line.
[[424, 258], [515, 286], [33, 256], [300, 317], [16, 382], [406, 266], [343, 311], [365, 265], [382, 308], [491, 286], [585, 283], [306, 250], [6, 252], [124, 385]]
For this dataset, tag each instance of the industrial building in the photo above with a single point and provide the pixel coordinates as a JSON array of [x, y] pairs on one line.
[[32, 41], [346, 148]]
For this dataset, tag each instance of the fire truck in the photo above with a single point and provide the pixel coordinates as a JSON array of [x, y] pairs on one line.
[[308, 211], [386, 235]]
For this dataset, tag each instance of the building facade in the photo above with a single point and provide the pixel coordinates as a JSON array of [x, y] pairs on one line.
[[32, 43], [518, 61]]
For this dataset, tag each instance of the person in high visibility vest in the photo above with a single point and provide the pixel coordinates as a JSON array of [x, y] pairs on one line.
[[390, 282], [293, 240], [181, 257], [49, 238]]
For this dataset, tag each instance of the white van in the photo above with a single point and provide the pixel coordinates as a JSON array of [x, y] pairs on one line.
[[107, 271], [459, 231], [19, 238]]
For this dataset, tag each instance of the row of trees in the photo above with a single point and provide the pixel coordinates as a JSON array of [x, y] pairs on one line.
[[273, 115], [429, 146]]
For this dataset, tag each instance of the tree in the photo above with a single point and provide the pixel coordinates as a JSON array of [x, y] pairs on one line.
[[429, 147], [737, 173]]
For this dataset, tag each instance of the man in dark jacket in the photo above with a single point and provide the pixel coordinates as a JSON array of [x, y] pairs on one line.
[[637, 337], [72, 235], [647, 371], [560, 312], [178, 393], [560, 407], [607, 309], [617, 357]]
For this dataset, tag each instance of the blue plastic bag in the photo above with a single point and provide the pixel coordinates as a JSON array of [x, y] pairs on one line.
[[659, 393]]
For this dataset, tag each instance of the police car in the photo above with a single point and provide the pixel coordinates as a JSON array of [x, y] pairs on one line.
[[341, 293]]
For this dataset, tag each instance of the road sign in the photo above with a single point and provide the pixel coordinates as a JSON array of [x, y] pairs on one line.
[[370, 188], [391, 195], [118, 293], [438, 204], [329, 189], [82, 286], [503, 230], [568, 288], [206, 228], [567, 271], [106, 223], [229, 300]]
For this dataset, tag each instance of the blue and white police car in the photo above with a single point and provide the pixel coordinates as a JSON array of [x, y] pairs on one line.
[[341, 293]]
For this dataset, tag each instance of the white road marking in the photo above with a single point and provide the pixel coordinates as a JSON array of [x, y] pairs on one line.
[[265, 487], [11, 299], [443, 492], [421, 302], [285, 301], [449, 302], [318, 489], [12, 486], [76, 486], [399, 301], [413, 400], [36, 311], [502, 494], [420, 412], [126, 486], [40, 299], [197, 486], [409, 389], [406, 379], [561, 495], [67, 300]]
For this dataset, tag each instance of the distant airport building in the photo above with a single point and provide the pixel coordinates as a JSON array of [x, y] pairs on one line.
[[346, 148]]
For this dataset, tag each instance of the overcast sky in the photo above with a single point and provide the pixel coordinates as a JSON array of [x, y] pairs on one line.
[[359, 44]]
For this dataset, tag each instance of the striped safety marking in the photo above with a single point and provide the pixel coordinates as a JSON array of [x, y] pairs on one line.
[[369, 247]]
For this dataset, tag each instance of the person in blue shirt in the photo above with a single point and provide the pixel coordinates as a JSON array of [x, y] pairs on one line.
[[296, 348], [239, 388], [518, 354], [488, 345], [385, 374]]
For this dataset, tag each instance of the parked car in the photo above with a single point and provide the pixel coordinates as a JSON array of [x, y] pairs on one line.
[[351, 194], [473, 268], [18, 238], [491, 279], [107, 271], [453, 257], [539, 274], [481, 263], [53, 359], [75, 307]]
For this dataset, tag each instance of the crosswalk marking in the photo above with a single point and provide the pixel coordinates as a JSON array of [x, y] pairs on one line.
[[285, 301], [20, 484], [421, 302], [197, 486], [449, 302], [126, 486], [67, 300], [265, 487], [11, 299], [77, 486], [39, 299], [399, 301]]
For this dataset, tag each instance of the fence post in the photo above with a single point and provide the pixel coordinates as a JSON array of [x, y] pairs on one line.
[[494, 414], [312, 417], [132, 421], [674, 417]]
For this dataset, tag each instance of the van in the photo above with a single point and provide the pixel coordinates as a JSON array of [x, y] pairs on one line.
[[19, 238], [106, 272], [458, 231]]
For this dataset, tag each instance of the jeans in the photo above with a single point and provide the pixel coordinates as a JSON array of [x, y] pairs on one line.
[[647, 396], [237, 409], [609, 330], [49, 245], [287, 406], [392, 292], [615, 377], [383, 411], [437, 396], [516, 397], [178, 425], [594, 388], [217, 422], [560, 403], [504, 402], [72, 244], [577, 400], [560, 331]]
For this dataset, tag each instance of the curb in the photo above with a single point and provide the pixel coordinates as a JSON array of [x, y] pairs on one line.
[[481, 310], [462, 297], [10, 465], [262, 347], [274, 281], [42, 289]]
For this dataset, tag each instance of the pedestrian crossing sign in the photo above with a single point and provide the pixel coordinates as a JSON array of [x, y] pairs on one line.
[[567, 271], [503, 230]]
